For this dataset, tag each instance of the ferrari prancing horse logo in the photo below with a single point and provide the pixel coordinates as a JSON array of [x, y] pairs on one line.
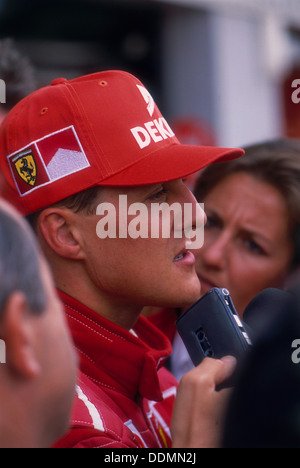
[[26, 167]]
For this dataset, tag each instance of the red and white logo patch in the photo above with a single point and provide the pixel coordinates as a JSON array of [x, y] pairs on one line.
[[46, 160]]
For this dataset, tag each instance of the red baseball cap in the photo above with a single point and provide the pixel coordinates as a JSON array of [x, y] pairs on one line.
[[102, 129]]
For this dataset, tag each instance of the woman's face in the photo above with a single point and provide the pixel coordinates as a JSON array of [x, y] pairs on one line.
[[248, 246]]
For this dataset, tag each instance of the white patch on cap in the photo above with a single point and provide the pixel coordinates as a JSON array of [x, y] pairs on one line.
[[44, 161], [66, 162]]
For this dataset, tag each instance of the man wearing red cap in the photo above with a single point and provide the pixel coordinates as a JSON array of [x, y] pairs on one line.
[[66, 150]]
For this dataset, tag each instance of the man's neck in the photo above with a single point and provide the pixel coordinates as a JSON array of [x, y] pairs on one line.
[[80, 287]]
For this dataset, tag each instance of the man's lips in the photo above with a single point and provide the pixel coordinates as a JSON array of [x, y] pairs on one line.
[[185, 258]]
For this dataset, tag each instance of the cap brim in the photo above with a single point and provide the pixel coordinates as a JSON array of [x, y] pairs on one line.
[[172, 163]]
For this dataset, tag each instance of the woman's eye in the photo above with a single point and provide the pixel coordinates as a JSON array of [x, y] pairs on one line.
[[211, 222], [253, 247]]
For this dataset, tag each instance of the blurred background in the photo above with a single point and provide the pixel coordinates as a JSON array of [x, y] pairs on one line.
[[220, 70]]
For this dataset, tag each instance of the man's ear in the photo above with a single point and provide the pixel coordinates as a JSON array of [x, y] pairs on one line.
[[19, 330], [59, 233]]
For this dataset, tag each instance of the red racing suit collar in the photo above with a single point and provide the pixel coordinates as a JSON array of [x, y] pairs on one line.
[[114, 358]]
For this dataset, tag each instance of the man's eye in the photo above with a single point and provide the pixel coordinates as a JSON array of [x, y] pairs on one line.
[[158, 195]]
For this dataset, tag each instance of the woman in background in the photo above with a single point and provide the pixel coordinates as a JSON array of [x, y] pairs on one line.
[[253, 211], [253, 215]]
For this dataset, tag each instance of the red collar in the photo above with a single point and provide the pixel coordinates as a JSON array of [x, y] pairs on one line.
[[115, 358]]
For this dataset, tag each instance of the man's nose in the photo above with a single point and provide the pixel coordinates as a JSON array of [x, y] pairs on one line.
[[194, 220]]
